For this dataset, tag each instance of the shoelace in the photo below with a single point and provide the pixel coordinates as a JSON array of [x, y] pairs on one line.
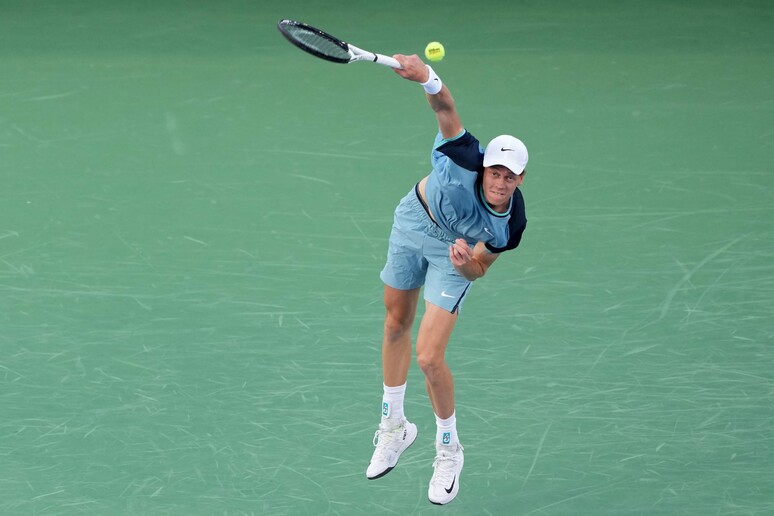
[[444, 465], [383, 437]]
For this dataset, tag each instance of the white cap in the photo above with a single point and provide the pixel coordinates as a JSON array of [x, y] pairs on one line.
[[507, 151]]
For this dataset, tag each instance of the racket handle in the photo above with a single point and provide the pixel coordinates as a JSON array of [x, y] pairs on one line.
[[358, 54], [386, 61]]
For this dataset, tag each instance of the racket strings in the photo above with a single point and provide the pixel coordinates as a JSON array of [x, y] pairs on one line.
[[318, 43]]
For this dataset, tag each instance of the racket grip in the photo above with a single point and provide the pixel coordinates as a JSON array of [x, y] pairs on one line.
[[358, 54], [386, 61]]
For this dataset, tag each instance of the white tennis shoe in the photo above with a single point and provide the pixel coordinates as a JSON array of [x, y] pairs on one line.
[[445, 483], [390, 441]]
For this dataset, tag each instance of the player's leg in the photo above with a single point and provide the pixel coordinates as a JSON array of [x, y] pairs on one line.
[[445, 292], [403, 275], [432, 341], [400, 309], [434, 333], [395, 433]]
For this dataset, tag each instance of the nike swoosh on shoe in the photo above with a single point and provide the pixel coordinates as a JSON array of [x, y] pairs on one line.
[[451, 487]]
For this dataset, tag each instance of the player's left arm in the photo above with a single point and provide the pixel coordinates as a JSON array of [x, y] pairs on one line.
[[471, 264]]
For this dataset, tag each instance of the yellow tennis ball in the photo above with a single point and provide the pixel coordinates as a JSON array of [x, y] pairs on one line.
[[434, 51]]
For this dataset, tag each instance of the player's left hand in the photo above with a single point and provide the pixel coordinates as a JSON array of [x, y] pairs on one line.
[[460, 252]]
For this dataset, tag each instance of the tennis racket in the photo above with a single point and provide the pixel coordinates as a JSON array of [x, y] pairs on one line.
[[323, 45]]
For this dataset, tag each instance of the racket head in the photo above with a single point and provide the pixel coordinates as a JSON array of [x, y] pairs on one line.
[[315, 41]]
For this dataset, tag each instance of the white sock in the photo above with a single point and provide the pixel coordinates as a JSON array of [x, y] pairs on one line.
[[392, 402], [446, 430]]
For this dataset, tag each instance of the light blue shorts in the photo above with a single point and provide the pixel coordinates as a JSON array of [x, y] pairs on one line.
[[418, 254]]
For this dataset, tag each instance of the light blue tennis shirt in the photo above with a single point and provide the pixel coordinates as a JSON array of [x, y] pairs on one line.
[[455, 196]]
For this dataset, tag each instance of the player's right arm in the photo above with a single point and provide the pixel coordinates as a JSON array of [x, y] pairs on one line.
[[442, 103]]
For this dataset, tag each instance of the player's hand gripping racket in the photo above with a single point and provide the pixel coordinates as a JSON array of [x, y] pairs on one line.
[[323, 45]]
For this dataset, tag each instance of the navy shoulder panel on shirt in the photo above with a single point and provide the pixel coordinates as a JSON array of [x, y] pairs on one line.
[[516, 224], [464, 151]]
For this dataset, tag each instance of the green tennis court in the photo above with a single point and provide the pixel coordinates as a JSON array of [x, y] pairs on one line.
[[194, 214]]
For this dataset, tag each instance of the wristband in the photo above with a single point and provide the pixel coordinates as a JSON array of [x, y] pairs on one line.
[[433, 84]]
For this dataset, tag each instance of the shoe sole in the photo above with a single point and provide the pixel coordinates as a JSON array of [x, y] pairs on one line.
[[380, 475], [446, 502], [456, 492]]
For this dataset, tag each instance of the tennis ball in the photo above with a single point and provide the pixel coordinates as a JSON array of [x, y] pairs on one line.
[[434, 51]]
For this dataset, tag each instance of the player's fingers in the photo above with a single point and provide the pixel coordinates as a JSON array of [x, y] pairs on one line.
[[462, 246], [461, 252], [412, 67], [400, 58], [454, 255]]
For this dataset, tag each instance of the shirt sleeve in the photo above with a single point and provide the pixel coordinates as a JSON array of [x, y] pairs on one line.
[[516, 225], [464, 150]]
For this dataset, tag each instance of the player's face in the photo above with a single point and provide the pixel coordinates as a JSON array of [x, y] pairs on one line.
[[499, 183]]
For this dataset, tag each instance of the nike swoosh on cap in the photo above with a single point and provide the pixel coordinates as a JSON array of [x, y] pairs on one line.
[[503, 149]]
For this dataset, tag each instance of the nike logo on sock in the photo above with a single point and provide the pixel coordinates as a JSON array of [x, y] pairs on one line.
[[451, 487]]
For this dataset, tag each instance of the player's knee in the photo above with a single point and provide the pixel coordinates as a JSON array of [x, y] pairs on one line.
[[398, 320], [430, 364], [397, 326]]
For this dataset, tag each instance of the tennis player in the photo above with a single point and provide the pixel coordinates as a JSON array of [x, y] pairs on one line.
[[447, 231]]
